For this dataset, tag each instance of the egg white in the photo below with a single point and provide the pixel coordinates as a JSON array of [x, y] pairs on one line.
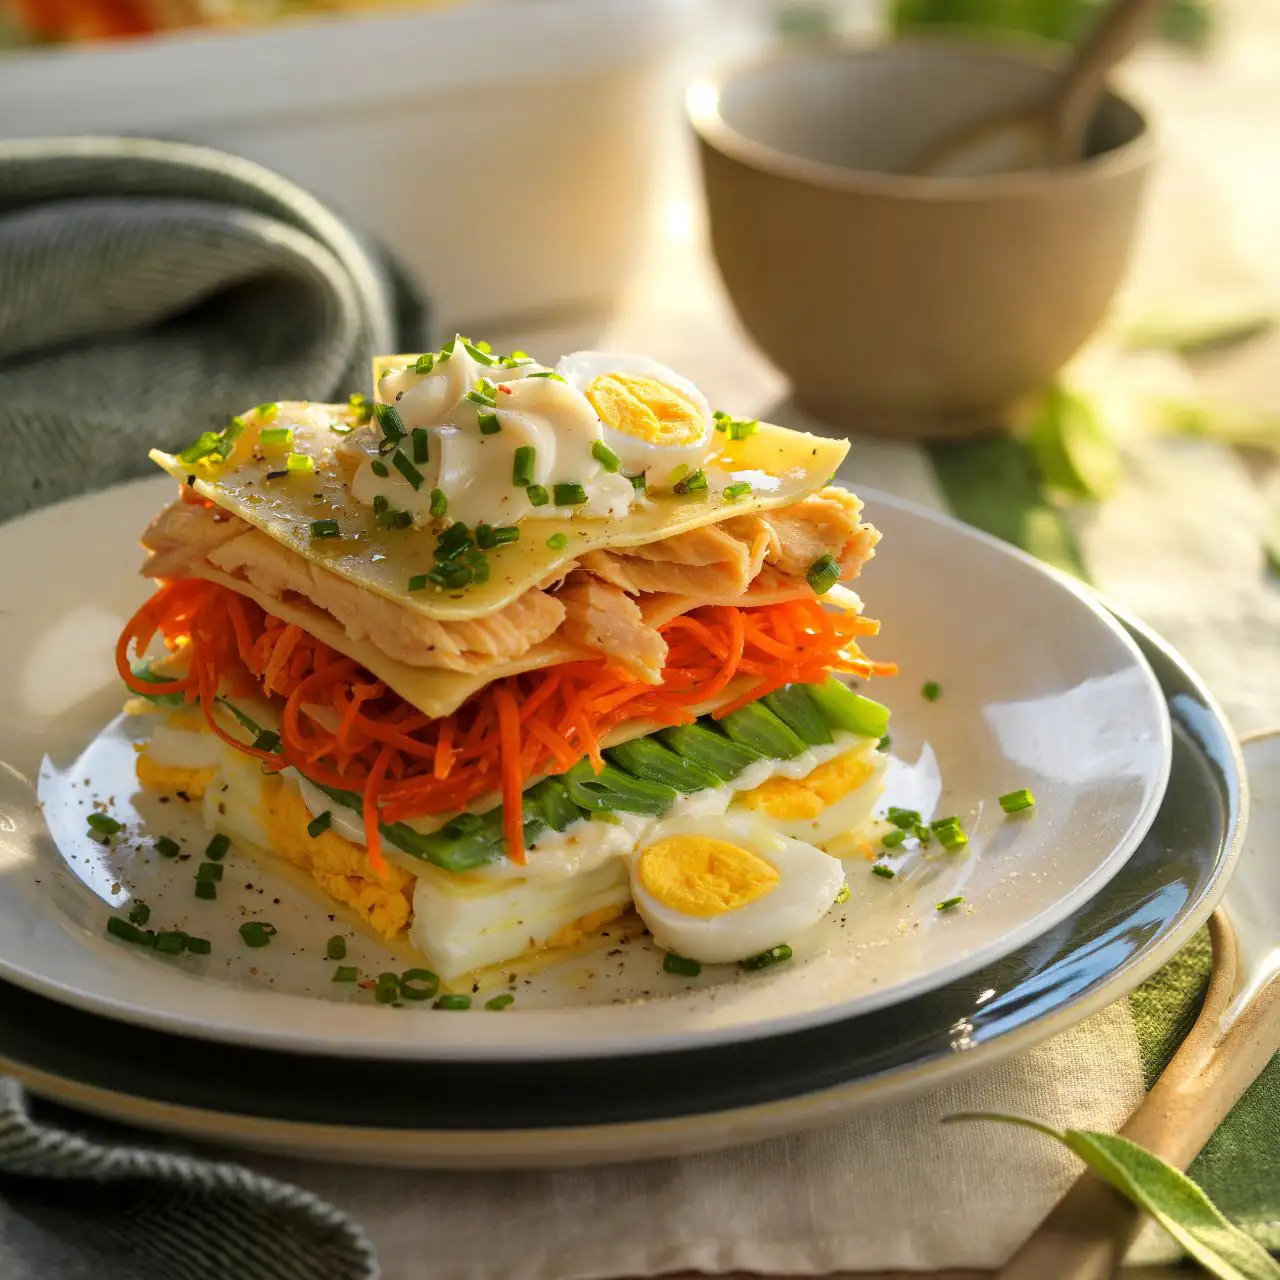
[[810, 880], [658, 462]]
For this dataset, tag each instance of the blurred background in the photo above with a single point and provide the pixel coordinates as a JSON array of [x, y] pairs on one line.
[[530, 166]]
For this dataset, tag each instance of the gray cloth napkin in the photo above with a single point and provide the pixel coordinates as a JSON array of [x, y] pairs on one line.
[[150, 290], [75, 1209]]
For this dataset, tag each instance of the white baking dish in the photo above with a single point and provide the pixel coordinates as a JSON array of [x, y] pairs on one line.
[[504, 149]]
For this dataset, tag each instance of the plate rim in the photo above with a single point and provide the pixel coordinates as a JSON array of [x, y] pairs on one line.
[[615, 1041], [666, 1136]]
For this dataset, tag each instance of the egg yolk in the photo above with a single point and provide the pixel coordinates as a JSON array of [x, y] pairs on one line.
[[171, 779], [791, 798], [339, 867], [703, 877], [646, 409]]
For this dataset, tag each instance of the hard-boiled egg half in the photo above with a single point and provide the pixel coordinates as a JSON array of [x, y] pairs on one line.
[[655, 421], [724, 889]]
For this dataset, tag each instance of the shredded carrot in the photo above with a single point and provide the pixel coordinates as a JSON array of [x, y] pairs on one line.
[[345, 729]]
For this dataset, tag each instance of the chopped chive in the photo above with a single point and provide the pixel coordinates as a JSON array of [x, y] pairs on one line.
[[418, 984], [739, 489], [209, 871], [268, 410], [139, 913], [207, 890], [319, 825], [387, 989], [484, 537], [922, 833], [498, 1003], [939, 823], [400, 520], [257, 933], [885, 873], [199, 946], [119, 927], [904, 818], [478, 565], [843, 896], [205, 443], [300, 464], [168, 848], [605, 456], [421, 449], [522, 463], [170, 942], [570, 494], [418, 582], [389, 421], [227, 441], [557, 542], [447, 350], [407, 469], [217, 848], [487, 537], [325, 529], [360, 406], [346, 973], [453, 541], [276, 437], [741, 428], [673, 963], [948, 904], [380, 504], [639, 482], [931, 691], [379, 468], [775, 955], [489, 424], [952, 838], [104, 825], [1018, 801], [267, 740], [480, 353], [823, 574], [484, 399], [537, 495], [885, 743], [439, 504], [548, 373], [450, 575], [424, 363], [453, 1002], [893, 839], [336, 947], [696, 482]]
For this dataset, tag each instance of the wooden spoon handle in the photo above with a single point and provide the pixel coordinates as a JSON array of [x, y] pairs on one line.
[[1085, 1236], [1121, 27]]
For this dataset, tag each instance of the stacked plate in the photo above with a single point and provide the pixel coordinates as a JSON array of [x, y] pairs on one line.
[[1139, 813]]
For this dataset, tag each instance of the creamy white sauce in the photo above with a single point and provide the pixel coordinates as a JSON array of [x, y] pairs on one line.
[[474, 469]]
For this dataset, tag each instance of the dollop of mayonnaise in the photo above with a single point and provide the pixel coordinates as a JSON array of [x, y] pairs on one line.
[[496, 440]]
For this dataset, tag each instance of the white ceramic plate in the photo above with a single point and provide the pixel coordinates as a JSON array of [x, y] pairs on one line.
[[1041, 688]]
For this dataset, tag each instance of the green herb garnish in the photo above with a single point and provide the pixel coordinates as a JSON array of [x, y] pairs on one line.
[[823, 574], [950, 904], [205, 443], [209, 871], [673, 963], [319, 825], [198, 946], [206, 889], [739, 489], [389, 421], [407, 469], [325, 529], [537, 495], [336, 947], [424, 363], [167, 847], [570, 494], [439, 504], [498, 1003], [257, 933], [1018, 801], [300, 464], [103, 825], [453, 1002], [775, 955], [489, 424], [696, 482], [522, 463], [379, 469], [885, 873], [139, 913], [639, 482], [893, 839], [217, 848], [418, 984], [276, 437], [557, 542], [605, 456], [421, 447], [931, 691], [904, 818]]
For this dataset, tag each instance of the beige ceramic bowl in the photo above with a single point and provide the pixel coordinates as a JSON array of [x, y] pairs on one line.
[[899, 304]]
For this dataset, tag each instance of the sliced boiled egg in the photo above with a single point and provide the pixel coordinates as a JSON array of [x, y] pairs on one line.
[[655, 421], [720, 890]]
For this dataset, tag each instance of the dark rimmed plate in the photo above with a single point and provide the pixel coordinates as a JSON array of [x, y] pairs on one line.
[[541, 1113]]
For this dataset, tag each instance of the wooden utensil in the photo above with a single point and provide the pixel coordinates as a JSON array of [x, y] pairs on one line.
[[1049, 132], [1086, 1235]]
